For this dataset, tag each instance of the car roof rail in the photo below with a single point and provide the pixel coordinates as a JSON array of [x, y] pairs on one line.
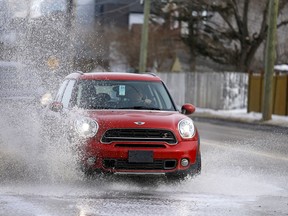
[[74, 75], [153, 74]]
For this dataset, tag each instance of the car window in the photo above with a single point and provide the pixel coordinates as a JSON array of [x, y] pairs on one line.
[[161, 96], [60, 92], [68, 93], [109, 94]]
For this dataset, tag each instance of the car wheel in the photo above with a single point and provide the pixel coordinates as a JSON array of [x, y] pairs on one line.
[[89, 173]]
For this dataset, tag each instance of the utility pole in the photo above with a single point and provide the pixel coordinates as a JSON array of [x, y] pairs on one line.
[[70, 26], [270, 60], [69, 12], [144, 38]]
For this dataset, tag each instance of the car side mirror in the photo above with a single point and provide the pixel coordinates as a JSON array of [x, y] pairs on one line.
[[188, 109], [56, 106]]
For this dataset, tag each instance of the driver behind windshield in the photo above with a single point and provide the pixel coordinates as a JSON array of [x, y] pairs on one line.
[[136, 98]]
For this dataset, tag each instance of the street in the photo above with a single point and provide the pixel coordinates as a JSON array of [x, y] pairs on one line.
[[66, 107], [244, 173]]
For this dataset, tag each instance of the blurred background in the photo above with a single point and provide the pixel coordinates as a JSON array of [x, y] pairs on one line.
[[210, 47]]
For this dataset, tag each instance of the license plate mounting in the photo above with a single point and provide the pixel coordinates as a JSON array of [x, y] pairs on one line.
[[140, 156]]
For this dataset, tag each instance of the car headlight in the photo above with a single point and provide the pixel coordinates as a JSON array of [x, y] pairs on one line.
[[186, 128], [86, 127], [46, 99]]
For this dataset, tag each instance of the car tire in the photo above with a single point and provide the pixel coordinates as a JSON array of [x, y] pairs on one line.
[[196, 168]]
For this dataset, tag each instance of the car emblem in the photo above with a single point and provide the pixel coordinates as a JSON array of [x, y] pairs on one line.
[[139, 123], [165, 135]]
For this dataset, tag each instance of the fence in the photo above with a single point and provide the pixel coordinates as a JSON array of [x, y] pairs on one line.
[[226, 90], [280, 93]]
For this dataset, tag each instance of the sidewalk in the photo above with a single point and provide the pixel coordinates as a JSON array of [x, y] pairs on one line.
[[242, 116]]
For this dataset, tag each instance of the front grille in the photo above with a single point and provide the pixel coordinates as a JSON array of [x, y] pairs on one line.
[[147, 135], [125, 165], [140, 146]]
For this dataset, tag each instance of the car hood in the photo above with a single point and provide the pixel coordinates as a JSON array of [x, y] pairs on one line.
[[136, 119]]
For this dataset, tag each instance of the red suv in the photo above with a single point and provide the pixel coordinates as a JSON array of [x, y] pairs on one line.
[[129, 124]]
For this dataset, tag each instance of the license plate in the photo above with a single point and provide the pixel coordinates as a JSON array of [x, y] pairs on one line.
[[140, 156]]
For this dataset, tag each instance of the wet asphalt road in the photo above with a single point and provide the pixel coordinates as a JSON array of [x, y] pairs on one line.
[[245, 172]]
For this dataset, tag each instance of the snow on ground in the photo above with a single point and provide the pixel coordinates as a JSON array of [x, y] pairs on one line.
[[283, 67], [242, 116]]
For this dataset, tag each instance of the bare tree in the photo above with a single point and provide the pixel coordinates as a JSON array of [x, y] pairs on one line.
[[227, 31], [160, 48], [92, 47]]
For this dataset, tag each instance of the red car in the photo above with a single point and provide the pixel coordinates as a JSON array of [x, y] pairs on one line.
[[129, 124]]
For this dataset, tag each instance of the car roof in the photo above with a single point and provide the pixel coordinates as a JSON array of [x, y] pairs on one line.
[[113, 76]]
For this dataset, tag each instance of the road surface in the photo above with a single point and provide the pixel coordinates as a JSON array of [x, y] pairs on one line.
[[245, 172]]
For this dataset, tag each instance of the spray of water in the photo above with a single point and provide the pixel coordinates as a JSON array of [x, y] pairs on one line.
[[39, 53], [27, 152]]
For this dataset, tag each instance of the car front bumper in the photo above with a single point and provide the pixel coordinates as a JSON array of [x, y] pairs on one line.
[[157, 159]]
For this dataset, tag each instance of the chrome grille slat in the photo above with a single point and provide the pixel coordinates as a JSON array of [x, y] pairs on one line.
[[140, 146], [125, 165], [152, 135], [121, 164]]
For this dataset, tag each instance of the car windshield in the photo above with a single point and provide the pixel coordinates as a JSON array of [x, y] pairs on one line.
[[108, 94]]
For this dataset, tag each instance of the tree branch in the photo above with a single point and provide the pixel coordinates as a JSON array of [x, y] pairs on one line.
[[283, 23], [282, 4], [245, 18], [226, 20], [237, 17], [263, 28]]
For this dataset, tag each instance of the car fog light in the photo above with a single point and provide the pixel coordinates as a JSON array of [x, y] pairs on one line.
[[91, 161], [184, 162]]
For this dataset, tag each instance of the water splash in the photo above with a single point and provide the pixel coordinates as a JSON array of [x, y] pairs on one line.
[[26, 153]]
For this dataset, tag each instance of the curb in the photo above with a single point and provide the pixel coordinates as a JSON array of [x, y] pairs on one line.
[[240, 123]]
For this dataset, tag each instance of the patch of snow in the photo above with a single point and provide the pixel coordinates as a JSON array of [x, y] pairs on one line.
[[283, 67], [242, 116]]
